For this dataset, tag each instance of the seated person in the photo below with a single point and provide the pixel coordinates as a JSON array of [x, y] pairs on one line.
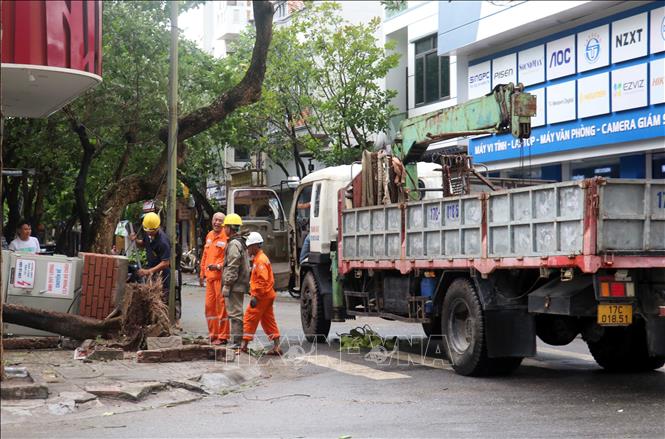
[[24, 243]]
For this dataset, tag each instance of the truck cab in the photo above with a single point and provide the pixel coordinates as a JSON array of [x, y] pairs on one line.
[[314, 212]]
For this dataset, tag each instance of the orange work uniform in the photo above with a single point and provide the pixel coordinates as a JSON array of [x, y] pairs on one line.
[[215, 309], [261, 286]]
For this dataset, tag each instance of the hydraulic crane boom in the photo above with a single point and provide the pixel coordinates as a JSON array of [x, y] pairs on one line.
[[506, 109]]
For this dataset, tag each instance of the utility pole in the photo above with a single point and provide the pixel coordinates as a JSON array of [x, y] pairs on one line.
[[173, 156]]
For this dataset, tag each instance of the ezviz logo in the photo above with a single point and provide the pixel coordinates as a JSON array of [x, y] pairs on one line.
[[592, 48], [628, 87]]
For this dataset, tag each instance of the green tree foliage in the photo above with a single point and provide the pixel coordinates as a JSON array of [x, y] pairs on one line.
[[322, 90], [107, 148]]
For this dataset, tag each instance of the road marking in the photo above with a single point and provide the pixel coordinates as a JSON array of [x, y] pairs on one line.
[[349, 368], [551, 351], [435, 363]]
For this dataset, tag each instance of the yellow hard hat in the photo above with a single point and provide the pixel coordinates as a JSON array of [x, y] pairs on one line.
[[233, 219], [151, 221]]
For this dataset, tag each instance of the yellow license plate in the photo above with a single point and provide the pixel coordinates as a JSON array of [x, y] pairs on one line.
[[615, 315]]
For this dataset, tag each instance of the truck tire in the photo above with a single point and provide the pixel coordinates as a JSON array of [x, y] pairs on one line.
[[624, 349], [312, 316], [463, 329]]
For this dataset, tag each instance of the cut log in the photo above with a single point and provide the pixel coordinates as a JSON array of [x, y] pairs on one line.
[[29, 343], [69, 325]]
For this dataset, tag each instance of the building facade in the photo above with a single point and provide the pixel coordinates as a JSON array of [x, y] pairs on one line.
[[596, 68]]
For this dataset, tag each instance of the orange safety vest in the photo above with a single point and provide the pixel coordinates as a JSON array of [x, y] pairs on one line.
[[262, 280], [213, 253]]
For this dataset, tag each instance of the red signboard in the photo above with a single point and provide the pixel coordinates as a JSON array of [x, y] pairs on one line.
[[53, 33]]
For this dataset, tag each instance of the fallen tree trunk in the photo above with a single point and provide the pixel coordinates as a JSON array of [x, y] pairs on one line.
[[69, 325]]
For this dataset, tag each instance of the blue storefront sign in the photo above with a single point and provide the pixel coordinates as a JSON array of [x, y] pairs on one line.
[[626, 126], [599, 84]]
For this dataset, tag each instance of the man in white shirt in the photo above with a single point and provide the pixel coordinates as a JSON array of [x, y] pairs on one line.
[[24, 243]]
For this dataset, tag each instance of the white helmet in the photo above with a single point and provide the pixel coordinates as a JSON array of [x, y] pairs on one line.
[[254, 238]]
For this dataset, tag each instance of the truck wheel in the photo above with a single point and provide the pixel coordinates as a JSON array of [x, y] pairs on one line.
[[624, 349], [314, 323], [463, 329]]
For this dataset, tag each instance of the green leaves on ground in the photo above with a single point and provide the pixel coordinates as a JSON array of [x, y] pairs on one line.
[[364, 337]]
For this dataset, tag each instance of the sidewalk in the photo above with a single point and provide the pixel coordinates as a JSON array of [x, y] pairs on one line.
[[79, 389]]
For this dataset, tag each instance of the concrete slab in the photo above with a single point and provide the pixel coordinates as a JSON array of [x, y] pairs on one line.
[[126, 391], [173, 341]]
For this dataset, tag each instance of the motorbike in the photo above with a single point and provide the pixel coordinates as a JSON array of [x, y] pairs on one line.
[[190, 262]]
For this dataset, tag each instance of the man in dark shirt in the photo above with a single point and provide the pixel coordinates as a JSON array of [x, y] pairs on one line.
[[158, 251]]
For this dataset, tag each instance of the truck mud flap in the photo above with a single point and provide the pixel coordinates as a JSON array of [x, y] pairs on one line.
[[510, 333], [656, 336]]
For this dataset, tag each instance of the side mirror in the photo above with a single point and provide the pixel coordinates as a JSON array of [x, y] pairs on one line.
[[293, 182]]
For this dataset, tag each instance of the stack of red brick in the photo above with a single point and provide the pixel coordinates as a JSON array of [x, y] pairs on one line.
[[99, 284]]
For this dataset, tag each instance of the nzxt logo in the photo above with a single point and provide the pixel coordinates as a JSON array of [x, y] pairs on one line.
[[560, 57], [628, 38]]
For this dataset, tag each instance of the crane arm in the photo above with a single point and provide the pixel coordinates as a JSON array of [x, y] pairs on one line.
[[506, 109]]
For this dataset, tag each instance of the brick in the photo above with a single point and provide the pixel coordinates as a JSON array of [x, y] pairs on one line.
[[112, 263], [185, 353]]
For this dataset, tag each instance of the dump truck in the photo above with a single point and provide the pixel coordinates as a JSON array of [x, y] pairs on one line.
[[487, 270]]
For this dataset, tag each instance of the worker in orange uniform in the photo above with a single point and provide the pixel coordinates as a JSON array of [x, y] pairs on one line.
[[262, 292], [212, 262]]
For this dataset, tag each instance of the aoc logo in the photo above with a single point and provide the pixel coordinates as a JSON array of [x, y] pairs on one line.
[[592, 48], [560, 57]]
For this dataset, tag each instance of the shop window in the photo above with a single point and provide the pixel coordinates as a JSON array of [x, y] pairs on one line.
[[658, 166], [240, 155], [432, 72]]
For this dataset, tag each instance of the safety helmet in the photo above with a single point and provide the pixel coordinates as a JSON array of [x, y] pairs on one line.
[[233, 219], [254, 238], [151, 222]]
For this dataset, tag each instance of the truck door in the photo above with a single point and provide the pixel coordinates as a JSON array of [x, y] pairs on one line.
[[262, 211]]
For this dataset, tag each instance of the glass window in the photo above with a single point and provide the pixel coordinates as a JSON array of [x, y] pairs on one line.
[[257, 204], [317, 199], [432, 72], [240, 155]]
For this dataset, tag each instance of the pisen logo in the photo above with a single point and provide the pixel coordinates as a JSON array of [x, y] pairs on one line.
[[503, 74]]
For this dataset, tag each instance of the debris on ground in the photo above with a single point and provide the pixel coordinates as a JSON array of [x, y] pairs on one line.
[[364, 337]]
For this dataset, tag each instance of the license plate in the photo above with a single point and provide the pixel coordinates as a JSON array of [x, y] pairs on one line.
[[615, 315]]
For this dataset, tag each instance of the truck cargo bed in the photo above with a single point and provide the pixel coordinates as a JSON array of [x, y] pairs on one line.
[[588, 224]]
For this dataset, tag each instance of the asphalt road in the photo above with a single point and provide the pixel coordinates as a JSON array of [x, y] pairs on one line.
[[321, 392]]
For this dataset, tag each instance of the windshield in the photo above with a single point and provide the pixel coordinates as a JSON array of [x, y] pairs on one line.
[[257, 204]]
